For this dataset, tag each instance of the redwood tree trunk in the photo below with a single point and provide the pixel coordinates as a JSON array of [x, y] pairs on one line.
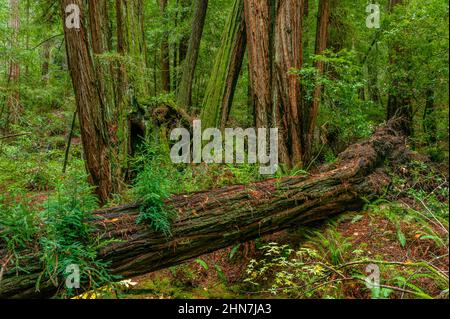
[[227, 67], [258, 23], [13, 101], [165, 49], [184, 94], [211, 220], [310, 114], [289, 55], [94, 133], [106, 91]]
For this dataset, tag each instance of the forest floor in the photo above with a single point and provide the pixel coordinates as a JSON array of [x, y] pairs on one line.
[[404, 235], [364, 235]]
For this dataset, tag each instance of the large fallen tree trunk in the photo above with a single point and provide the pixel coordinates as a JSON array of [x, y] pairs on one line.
[[211, 220]]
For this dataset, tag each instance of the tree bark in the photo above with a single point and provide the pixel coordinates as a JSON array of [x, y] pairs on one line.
[[310, 114], [184, 41], [13, 100], [289, 55], [184, 94], [94, 133], [165, 49], [224, 77], [211, 220], [258, 23], [106, 91], [132, 77]]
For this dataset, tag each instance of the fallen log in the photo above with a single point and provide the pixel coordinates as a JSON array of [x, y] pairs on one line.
[[215, 219]]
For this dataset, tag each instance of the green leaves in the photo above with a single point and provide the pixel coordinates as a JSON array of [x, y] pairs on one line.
[[154, 184], [202, 263], [67, 238], [401, 237]]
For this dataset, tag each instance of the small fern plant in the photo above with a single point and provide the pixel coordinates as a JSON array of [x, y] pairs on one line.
[[154, 184]]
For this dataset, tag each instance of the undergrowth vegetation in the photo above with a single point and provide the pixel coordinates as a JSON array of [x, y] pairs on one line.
[[57, 232], [403, 236]]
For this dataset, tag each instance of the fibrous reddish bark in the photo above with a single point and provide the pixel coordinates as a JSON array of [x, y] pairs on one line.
[[211, 220], [288, 55], [13, 101], [310, 118], [258, 22], [94, 133]]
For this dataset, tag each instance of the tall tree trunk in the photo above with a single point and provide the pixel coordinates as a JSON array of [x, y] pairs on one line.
[[258, 25], [184, 41], [103, 114], [109, 92], [399, 98], [27, 35], [94, 132], [101, 43], [224, 77], [311, 112], [288, 55], [134, 46], [184, 94], [338, 33], [181, 47], [165, 48], [131, 79], [13, 100]]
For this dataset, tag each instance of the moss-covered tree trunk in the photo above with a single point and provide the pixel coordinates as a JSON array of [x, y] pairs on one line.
[[227, 67], [183, 44], [211, 220], [184, 94], [165, 48], [132, 76]]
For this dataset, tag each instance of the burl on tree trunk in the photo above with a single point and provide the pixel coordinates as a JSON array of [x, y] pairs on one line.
[[214, 219]]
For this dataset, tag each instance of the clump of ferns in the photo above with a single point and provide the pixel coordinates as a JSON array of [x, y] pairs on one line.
[[58, 234], [69, 240], [153, 185]]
